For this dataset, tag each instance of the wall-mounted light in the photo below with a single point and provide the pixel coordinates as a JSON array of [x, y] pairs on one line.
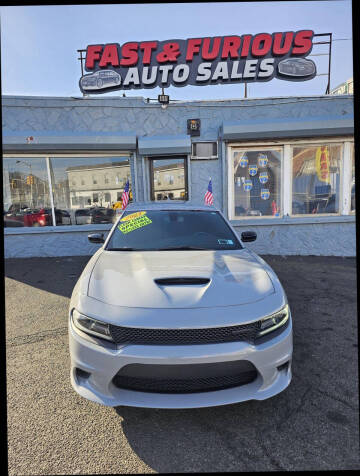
[[163, 99]]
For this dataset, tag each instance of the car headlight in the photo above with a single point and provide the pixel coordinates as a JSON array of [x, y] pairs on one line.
[[91, 326], [270, 323]]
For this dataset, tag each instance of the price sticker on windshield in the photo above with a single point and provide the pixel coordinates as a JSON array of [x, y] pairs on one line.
[[132, 216], [133, 222]]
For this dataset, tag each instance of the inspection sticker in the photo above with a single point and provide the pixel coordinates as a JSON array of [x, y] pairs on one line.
[[134, 223], [225, 242]]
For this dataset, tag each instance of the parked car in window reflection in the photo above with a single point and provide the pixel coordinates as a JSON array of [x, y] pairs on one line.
[[296, 67], [96, 215], [100, 80], [35, 217]]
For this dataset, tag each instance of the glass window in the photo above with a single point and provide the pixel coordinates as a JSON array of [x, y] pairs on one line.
[[257, 178], [315, 178], [353, 178], [173, 229], [168, 179], [88, 202], [26, 195]]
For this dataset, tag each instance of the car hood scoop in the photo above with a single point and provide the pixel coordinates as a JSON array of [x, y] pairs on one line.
[[178, 279], [181, 281]]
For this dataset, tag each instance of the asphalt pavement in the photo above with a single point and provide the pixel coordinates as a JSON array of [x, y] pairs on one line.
[[312, 425]]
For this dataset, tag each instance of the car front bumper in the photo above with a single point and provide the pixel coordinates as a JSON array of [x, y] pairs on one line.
[[103, 362]]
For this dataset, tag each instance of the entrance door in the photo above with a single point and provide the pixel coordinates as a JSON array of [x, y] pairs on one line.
[[168, 178]]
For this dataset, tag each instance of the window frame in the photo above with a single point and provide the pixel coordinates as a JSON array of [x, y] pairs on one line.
[[48, 156], [307, 215], [231, 204], [152, 176], [346, 142]]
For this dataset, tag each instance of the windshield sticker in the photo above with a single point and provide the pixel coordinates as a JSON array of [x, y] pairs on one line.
[[225, 242], [138, 222], [132, 216]]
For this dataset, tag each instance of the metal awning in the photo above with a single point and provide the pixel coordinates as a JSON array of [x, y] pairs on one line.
[[54, 141], [164, 145], [288, 128]]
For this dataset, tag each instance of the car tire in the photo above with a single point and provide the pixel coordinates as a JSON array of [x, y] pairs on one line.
[[99, 83]]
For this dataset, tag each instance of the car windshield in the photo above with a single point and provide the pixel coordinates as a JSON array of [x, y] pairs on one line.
[[172, 230]]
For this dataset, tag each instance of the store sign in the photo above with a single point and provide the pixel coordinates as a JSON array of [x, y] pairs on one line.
[[323, 164], [199, 61]]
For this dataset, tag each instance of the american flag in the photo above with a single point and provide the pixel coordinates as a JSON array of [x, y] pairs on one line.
[[208, 198], [125, 195]]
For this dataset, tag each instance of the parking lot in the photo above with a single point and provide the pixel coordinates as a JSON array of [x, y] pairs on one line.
[[312, 425]]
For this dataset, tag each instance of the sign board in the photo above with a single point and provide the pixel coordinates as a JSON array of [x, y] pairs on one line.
[[198, 61]]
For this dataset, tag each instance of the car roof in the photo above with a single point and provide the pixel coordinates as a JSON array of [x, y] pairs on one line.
[[169, 205]]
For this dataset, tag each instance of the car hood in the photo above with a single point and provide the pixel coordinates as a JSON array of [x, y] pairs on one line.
[[126, 278]]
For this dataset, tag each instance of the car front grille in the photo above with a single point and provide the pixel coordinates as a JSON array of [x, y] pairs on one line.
[[191, 378], [206, 335]]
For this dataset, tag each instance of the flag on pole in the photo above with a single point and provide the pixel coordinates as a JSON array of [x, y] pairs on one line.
[[208, 198], [125, 195]]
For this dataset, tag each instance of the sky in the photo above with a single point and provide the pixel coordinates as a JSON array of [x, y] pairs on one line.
[[39, 43]]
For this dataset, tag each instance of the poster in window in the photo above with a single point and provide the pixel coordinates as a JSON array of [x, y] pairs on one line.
[[262, 160], [265, 193], [263, 177], [253, 170]]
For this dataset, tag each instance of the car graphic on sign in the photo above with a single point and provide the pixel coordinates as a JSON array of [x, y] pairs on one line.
[[100, 80], [296, 67]]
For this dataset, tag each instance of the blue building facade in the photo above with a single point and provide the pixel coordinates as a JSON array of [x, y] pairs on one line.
[[283, 167]]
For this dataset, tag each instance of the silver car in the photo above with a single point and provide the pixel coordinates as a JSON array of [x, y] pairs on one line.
[[173, 311], [100, 80], [297, 67]]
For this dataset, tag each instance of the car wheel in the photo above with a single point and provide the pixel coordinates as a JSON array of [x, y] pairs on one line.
[[99, 83]]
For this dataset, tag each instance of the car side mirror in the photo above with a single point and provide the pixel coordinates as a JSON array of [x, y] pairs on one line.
[[96, 238], [248, 236]]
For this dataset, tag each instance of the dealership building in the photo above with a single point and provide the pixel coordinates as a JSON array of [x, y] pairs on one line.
[[281, 166]]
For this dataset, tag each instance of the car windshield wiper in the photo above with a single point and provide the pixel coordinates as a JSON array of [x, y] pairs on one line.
[[174, 248]]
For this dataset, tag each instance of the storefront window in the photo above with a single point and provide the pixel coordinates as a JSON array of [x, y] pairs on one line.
[[257, 178], [77, 199], [315, 179], [88, 189], [353, 179], [26, 192], [168, 179]]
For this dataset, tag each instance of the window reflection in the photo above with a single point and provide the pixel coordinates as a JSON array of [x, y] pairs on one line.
[[316, 179], [26, 193], [168, 179], [90, 189], [257, 182]]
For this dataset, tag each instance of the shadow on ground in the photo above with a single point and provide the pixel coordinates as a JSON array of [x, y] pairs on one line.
[[55, 275]]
